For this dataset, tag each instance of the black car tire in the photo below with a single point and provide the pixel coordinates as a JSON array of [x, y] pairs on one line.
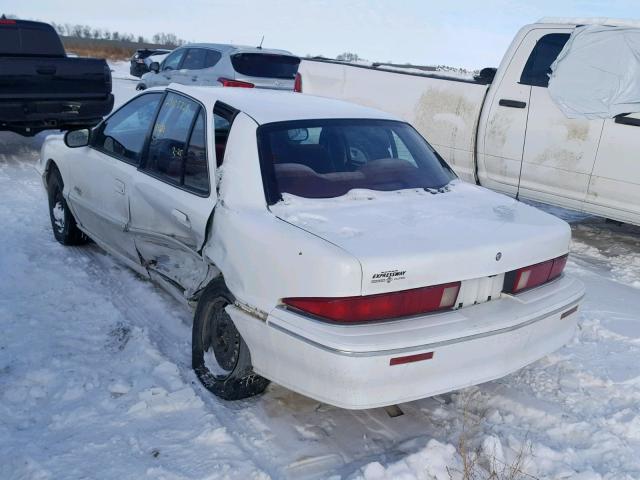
[[216, 338], [63, 224]]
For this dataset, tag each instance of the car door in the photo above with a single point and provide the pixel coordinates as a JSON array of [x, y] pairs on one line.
[[191, 66], [559, 152], [168, 69], [172, 200], [614, 189], [103, 177]]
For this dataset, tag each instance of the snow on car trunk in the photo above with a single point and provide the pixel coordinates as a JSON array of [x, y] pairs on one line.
[[415, 238]]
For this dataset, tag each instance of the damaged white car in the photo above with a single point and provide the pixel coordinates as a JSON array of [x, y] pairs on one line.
[[326, 246]]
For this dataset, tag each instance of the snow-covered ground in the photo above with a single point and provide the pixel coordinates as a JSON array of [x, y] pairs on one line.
[[95, 377]]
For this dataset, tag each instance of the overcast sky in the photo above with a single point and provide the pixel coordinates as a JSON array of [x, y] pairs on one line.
[[461, 33]]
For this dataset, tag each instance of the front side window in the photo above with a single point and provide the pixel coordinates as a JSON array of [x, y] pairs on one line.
[[538, 68], [194, 59], [328, 158], [172, 62], [123, 134]]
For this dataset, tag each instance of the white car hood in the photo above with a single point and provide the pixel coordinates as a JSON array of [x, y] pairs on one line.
[[415, 238]]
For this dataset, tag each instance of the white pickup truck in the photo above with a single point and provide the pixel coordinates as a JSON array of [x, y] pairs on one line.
[[505, 132]]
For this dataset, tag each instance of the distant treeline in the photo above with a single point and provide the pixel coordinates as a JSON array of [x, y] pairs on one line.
[[87, 32]]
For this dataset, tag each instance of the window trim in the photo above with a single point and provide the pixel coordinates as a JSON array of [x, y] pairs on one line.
[[100, 127], [145, 152]]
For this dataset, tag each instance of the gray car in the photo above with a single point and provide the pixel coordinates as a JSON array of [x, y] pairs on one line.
[[225, 65]]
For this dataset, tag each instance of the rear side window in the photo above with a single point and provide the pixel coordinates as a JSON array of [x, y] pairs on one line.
[[21, 39], [169, 138], [266, 65], [196, 174], [211, 58], [123, 134], [194, 59], [538, 68], [223, 116], [177, 151]]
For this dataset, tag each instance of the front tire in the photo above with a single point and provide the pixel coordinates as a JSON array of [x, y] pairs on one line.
[[63, 224], [220, 356]]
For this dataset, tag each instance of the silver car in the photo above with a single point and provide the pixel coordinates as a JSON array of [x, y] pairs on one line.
[[225, 65]]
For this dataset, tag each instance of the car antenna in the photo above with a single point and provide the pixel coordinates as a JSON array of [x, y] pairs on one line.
[[260, 46]]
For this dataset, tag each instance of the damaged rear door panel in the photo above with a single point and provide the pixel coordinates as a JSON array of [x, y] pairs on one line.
[[172, 199]]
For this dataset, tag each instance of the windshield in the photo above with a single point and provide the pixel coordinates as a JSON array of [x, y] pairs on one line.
[[328, 158]]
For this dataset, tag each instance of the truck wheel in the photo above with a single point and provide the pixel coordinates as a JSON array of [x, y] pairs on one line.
[[63, 224], [220, 357]]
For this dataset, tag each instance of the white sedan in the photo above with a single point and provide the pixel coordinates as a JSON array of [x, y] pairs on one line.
[[325, 246]]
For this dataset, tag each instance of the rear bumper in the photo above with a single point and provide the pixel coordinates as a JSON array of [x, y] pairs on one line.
[[349, 366], [43, 114]]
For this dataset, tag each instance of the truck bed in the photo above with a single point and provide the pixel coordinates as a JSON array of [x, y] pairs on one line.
[[49, 78], [445, 110]]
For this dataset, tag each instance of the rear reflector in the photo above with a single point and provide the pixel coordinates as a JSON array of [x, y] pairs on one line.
[[534, 275], [226, 82], [383, 306], [297, 85], [411, 358], [571, 311]]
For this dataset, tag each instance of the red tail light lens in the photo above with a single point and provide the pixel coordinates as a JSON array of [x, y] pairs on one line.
[[226, 82], [382, 306], [534, 275], [297, 85]]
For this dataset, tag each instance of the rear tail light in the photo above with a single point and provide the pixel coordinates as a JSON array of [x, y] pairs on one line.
[[297, 85], [7, 21], [383, 306], [534, 275], [226, 82]]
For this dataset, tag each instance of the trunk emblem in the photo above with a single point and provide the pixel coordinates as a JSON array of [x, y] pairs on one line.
[[498, 256]]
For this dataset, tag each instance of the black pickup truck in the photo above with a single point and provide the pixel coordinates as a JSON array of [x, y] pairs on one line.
[[41, 88]]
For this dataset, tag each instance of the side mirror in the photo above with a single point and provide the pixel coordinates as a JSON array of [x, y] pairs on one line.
[[77, 138], [154, 67], [486, 75]]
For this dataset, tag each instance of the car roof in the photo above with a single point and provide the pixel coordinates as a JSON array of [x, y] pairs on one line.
[[229, 48], [267, 106]]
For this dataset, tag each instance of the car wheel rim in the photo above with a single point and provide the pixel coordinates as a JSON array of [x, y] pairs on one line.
[[221, 341], [57, 212]]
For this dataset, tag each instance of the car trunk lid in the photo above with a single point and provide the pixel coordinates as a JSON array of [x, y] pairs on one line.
[[413, 238]]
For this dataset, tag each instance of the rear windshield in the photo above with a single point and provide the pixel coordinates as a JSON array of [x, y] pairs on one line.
[[37, 40], [265, 65], [328, 158]]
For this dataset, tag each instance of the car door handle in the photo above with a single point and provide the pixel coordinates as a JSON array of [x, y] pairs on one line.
[[119, 186], [194, 79], [181, 217], [624, 120], [504, 102]]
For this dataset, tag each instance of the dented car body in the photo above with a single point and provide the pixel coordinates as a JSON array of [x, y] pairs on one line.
[[362, 271]]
